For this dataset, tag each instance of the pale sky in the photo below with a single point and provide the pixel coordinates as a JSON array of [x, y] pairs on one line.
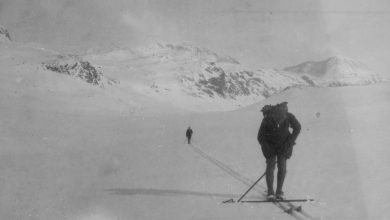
[[262, 33]]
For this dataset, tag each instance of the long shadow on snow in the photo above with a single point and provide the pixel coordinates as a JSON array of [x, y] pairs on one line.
[[164, 192], [168, 192], [226, 168], [244, 180]]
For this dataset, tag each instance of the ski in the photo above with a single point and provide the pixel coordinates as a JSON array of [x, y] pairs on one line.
[[285, 205], [276, 200], [294, 208], [229, 201], [291, 210], [300, 210]]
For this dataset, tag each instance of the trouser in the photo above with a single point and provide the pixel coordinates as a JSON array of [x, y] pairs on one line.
[[269, 173], [189, 140]]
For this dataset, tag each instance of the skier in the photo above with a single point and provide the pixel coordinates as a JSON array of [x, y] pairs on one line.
[[189, 134], [277, 144]]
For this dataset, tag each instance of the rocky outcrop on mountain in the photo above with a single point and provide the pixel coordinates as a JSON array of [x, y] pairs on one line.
[[215, 81], [4, 35], [74, 66]]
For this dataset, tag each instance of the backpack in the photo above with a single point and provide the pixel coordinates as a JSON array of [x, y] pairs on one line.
[[277, 112]]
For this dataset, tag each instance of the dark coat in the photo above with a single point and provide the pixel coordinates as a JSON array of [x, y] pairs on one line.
[[276, 139], [189, 132]]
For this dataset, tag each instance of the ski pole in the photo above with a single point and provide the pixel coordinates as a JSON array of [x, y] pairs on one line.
[[254, 184]]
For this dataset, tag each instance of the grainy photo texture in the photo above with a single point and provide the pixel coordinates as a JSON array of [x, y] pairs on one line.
[[194, 109]]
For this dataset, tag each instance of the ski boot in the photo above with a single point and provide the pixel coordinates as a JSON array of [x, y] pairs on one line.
[[279, 196], [271, 196]]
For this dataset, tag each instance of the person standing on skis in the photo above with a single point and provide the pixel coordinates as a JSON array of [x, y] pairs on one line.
[[189, 134], [277, 144]]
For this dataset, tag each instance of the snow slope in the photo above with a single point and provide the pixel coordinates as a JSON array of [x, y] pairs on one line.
[[337, 71], [72, 151]]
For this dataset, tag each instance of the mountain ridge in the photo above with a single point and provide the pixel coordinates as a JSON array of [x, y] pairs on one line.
[[336, 71], [190, 77]]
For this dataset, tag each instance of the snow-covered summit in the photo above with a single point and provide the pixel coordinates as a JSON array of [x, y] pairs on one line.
[[184, 51], [336, 71]]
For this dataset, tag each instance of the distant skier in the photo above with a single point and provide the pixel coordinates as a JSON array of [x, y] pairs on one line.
[[189, 134], [277, 143]]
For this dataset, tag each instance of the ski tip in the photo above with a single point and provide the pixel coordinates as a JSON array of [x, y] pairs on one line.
[[289, 211], [294, 209], [228, 201]]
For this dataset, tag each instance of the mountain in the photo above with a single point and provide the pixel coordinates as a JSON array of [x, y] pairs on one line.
[[183, 76], [199, 79], [336, 71], [74, 66], [191, 77]]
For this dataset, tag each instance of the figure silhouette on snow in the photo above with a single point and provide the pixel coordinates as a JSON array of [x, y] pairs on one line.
[[277, 143], [189, 134]]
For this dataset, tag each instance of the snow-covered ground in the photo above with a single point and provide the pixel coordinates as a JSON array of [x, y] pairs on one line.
[[73, 151]]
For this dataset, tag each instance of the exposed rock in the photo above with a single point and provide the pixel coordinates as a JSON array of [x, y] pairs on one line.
[[214, 81], [75, 66], [4, 34]]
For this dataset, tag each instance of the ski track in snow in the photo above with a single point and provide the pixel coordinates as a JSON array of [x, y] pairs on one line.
[[257, 188]]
